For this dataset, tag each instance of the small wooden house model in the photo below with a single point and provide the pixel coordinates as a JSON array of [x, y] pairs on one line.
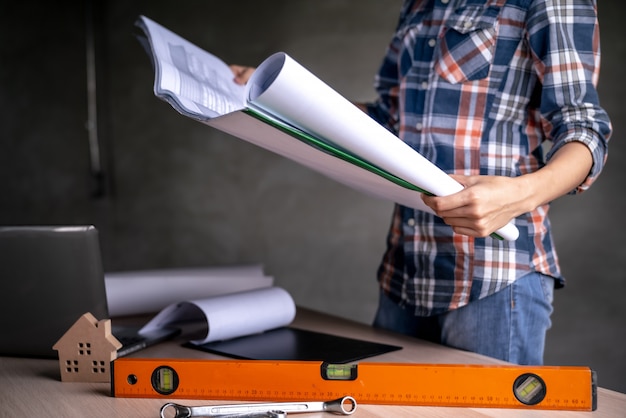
[[86, 350]]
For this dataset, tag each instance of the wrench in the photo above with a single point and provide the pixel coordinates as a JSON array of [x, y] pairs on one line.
[[341, 406]]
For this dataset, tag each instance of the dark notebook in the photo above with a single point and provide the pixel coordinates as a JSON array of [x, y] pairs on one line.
[[296, 344]]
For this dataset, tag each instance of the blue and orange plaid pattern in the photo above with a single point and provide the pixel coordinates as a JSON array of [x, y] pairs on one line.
[[485, 87]]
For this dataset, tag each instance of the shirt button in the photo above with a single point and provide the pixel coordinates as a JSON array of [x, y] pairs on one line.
[[432, 42], [419, 126], [467, 24], [424, 85], [445, 1], [410, 222]]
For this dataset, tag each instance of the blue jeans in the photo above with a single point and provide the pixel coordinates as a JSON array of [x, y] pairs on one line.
[[509, 325]]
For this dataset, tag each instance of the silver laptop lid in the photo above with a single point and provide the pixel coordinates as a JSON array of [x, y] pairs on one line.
[[49, 277]]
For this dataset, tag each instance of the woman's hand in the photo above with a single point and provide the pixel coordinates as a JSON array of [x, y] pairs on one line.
[[486, 204], [242, 73]]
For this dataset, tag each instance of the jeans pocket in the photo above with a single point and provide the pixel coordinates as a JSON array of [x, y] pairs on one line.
[[547, 285], [467, 46]]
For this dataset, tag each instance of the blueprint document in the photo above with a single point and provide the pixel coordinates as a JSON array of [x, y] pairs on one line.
[[286, 109]]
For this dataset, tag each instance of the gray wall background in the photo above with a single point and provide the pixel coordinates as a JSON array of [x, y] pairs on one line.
[[176, 193]]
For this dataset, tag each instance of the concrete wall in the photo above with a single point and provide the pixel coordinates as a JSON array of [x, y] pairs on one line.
[[175, 193]]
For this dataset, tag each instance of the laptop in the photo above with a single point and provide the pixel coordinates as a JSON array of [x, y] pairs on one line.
[[49, 277]]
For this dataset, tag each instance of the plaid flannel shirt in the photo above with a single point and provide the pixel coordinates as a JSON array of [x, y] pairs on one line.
[[485, 87]]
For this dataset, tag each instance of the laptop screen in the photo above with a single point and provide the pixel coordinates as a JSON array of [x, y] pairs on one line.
[[49, 277]]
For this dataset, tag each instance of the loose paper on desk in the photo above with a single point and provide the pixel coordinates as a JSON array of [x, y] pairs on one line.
[[149, 291], [329, 134], [230, 316]]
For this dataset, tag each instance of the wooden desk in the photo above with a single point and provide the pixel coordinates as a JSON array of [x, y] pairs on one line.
[[32, 387]]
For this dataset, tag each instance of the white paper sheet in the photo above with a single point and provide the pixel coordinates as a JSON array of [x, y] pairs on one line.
[[149, 291], [258, 133], [233, 315], [193, 81]]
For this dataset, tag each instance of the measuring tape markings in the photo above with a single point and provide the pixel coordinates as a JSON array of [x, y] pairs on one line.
[[503, 386]]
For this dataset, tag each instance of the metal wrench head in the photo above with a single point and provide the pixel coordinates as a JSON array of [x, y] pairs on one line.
[[343, 406], [180, 411]]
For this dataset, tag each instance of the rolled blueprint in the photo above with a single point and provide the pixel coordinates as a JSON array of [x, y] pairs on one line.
[[230, 316]]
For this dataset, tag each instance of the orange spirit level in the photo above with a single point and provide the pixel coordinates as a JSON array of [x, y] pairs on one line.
[[495, 386]]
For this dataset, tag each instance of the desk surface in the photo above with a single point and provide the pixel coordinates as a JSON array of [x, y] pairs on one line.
[[32, 387]]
